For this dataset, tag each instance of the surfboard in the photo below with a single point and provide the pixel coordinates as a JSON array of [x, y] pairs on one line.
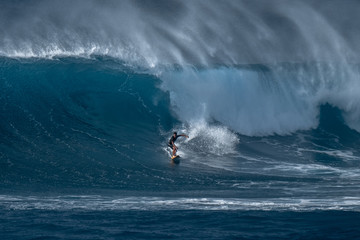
[[174, 157]]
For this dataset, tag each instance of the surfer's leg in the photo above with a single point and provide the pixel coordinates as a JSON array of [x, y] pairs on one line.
[[174, 151], [173, 148]]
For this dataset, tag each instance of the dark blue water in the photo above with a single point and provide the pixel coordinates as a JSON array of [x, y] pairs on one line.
[[189, 224]]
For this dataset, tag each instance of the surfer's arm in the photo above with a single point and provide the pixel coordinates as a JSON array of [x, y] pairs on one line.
[[183, 135]]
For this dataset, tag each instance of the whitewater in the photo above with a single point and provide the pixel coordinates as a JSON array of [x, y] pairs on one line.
[[91, 91]]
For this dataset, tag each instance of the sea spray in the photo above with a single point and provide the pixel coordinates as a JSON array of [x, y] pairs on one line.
[[176, 32]]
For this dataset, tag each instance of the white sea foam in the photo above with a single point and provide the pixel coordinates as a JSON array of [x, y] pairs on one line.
[[345, 155], [304, 169], [100, 203]]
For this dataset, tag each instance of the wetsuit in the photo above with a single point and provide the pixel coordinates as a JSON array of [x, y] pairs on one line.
[[172, 140]]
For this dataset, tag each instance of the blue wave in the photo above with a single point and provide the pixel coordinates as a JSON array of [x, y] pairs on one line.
[[75, 122]]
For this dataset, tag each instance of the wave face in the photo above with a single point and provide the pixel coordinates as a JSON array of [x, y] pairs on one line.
[[60, 117]]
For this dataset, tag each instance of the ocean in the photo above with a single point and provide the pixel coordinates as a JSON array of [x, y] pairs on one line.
[[88, 106]]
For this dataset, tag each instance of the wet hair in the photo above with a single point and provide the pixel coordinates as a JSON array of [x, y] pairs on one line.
[[175, 133]]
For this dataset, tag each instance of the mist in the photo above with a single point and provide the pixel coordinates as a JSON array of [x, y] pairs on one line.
[[152, 33]]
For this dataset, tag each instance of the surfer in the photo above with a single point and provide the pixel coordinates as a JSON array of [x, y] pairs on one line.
[[172, 142]]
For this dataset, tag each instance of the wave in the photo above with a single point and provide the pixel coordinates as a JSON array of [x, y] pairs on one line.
[[267, 74], [252, 100], [91, 99], [303, 54], [95, 125]]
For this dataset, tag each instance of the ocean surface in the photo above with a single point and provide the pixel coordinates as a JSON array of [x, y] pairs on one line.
[[87, 108]]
